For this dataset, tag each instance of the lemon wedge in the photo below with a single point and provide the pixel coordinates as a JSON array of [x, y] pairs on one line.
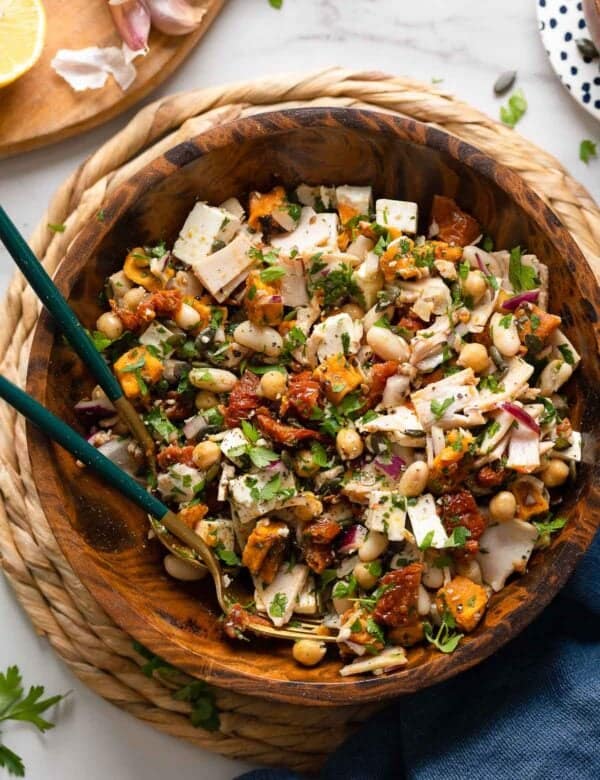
[[22, 31]]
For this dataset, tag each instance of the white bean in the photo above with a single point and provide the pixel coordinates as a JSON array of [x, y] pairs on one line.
[[470, 569], [387, 345], [505, 336], [215, 379], [554, 375], [414, 479], [374, 545], [433, 577], [186, 317], [182, 570], [423, 601], [258, 338]]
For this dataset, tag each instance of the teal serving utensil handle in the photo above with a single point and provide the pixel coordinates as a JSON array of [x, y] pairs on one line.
[[60, 432], [75, 333]]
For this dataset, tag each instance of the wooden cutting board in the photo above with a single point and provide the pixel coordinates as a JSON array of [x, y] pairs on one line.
[[41, 108]]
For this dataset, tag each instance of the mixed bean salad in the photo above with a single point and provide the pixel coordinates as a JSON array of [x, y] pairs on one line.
[[364, 422]]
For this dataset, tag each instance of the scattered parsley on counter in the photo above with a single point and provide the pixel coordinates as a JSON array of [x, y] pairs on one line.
[[276, 4], [60, 228], [587, 150], [204, 712], [14, 705]]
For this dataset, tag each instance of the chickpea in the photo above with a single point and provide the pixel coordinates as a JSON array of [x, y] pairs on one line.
[[183, 570], [109, 324], [470, 569], [309, 652], [273, 384], [474, 356], [133, 298], [304, 464], [354, 310], [364, 576], [205, 400], [349, 444], [206, 454], [503, 506], [374, 545], [414, 479], [475, 285], [186, 317], [555, 473]]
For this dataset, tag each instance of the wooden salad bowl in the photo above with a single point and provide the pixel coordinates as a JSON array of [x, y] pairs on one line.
[[105, 538]]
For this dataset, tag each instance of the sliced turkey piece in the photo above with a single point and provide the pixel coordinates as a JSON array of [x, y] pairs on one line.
[[504, 549], [222, 271], [441, 403], [204, 225], [280, 597]]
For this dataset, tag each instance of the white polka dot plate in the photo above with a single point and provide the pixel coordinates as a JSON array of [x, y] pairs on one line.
[[562, 24]]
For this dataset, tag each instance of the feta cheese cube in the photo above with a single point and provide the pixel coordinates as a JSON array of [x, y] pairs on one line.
[[401, 215], [204, 225]]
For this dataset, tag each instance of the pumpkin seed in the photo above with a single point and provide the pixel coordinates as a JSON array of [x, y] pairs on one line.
[[505, 82], [587, 48]]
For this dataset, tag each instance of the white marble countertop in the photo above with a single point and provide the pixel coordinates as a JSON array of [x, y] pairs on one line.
[[467, 44]]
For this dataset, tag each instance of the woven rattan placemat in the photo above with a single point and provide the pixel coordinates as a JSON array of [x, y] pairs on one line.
[[95, 649]]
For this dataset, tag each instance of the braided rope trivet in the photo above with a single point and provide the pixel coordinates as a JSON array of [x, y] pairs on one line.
[[97, 651]]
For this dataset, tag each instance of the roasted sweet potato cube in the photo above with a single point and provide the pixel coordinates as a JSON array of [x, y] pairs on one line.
[[338, 378], [134, 365], [264, 549], [137, 269], [263, 205], [263, 301], [465, 600]]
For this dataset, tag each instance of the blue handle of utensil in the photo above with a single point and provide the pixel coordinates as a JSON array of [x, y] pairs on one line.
[[52, 299], [61, 433]]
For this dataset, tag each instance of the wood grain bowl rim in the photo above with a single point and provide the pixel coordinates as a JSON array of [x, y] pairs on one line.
[[566, 550]]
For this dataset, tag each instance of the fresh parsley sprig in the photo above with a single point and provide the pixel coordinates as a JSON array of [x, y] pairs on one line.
[[445, 638], [15, 705]]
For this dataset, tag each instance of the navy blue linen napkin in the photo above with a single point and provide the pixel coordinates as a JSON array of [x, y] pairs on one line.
[[530, 712]]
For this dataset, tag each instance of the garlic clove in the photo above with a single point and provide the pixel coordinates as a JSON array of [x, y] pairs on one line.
[[175, 17], [132, 20]]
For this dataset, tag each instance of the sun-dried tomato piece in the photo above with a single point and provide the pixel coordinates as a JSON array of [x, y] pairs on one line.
[[380, 373], [281, 433], [492, 476], [460, 509], [318, 556], [397, 606], [163, 303], [454, 225], [175, 454], [243, 399], [304, 394]]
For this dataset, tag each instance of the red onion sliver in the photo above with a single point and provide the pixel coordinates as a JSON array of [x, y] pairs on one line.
[[96, 408], [393, 468], [513, 303], [352, 539], [521, 415], [481, 264]]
